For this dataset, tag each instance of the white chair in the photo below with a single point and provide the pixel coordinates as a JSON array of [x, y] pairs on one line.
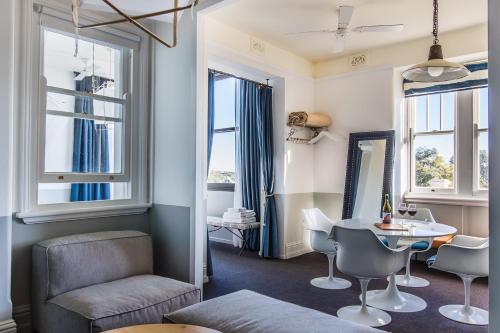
[[467, 257], [319, 227], [360, 253], [407, 280]]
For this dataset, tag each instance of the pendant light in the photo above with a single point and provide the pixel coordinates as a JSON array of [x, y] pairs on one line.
[[436, 69]]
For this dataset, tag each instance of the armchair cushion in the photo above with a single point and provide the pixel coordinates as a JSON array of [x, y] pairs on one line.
[[130, 294], [420, 246]]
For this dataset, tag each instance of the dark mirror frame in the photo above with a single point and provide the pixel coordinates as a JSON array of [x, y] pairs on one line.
[[353, 158]]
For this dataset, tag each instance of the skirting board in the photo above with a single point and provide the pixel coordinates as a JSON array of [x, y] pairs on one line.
[[295, 249], [22, 316], [221, 240], [8, 326]]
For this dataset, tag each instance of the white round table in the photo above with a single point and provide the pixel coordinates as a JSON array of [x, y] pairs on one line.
[[391, 299]]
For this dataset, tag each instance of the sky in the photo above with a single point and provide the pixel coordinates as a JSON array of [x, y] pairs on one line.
[[223, 151]]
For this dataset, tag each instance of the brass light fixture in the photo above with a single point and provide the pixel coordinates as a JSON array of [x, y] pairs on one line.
[[436, 69], [134, 19]]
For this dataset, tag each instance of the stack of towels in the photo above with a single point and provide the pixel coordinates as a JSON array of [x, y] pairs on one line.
[[239, 215]]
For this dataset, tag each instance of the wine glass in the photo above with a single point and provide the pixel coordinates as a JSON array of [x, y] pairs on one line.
[[412, 210], [402, 209]]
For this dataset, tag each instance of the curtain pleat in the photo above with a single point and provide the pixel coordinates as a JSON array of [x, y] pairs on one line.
[[270, 247], [247, 121], [210, 139], [90, 148]]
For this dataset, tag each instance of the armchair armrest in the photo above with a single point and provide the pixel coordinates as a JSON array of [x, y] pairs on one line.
[[462, 260], [468, 241]]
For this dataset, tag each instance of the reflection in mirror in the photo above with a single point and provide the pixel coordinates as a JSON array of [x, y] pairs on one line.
[[370, 179], [368, 174]]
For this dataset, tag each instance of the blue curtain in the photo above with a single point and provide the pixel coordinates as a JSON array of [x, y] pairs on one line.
[[270, 245], [247, 103], [90, 147], [210, 139]]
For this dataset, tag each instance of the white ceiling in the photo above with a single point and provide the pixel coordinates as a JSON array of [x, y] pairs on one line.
[[271, 20]]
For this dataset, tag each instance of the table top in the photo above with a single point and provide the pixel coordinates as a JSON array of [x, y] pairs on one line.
[[219, 222], [416, 228], [163, 328]]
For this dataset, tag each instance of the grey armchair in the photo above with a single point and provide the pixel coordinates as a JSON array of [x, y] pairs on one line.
[[466, 257], [319, 227], [371, 260], [96, 282]]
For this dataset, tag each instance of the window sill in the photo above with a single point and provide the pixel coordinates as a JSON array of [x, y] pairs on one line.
[[81, 213], [447, 199]]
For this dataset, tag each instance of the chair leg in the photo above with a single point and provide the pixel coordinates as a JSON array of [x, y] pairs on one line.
[[363, 314], [465, 313], [407, 280], [330, 282]]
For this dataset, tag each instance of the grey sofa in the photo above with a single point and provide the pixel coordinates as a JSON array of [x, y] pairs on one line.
[[95, 282], [245, 311]]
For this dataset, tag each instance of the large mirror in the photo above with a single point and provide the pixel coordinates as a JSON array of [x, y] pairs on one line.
[[369, 174]]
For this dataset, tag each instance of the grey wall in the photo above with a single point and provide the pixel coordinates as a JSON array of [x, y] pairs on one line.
[[171, 236], [494, 125], [25, 235]]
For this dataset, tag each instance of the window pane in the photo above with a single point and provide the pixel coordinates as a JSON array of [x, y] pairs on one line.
[[448, 111], [225, 103], [434, 112], [51, 193], [434, 161], [63, 70], [84, 146], [222, 161], [483, 108], [421, 114], [483, 160], [87, 105]]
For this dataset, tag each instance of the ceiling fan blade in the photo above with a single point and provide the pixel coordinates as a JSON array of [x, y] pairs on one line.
[[324, 31], [339, 45], [379, 28], [345, 14]]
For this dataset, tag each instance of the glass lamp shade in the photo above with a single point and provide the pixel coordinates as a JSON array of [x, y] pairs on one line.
[[436, 69]]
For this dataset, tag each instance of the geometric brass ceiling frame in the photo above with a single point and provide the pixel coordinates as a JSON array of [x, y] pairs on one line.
[[133, 20]]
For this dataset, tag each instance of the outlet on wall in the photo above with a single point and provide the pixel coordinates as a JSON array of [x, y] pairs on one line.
[[257, 46], [358, 60]]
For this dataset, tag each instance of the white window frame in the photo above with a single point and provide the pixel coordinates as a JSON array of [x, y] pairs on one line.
[[411, 119], [478, 191], [136, 168]]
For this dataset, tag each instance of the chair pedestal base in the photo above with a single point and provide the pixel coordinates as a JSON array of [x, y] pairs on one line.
[[330, 283], [470, 315], [411, 281], [368, 316]]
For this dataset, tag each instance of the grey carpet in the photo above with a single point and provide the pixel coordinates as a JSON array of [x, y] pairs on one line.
[[288, 280]]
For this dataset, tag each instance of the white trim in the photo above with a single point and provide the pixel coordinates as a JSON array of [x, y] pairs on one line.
[[83, 116], [442, 199], [81, 213], [295, 249], [8, 326]]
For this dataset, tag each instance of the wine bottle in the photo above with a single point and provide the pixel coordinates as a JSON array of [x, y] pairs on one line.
[[387, 211]]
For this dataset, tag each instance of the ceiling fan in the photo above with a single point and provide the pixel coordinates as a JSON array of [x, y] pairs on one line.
[[342, 31], [87, 70]]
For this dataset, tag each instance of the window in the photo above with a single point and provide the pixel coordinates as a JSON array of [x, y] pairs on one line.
[[83, 121], [481, 177], [433, 142], [448, 140], [222, 173]]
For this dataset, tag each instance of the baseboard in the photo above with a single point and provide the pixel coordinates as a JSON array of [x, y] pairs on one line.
[[295, 249], [8, 326], [221, 240], [22, 316]]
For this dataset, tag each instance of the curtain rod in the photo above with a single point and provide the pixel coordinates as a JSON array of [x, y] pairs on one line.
[[240, 78]]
